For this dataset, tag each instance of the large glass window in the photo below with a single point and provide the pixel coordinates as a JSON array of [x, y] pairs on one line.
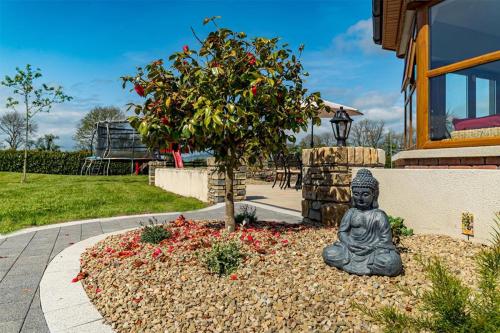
[[466, 103], [462, 29]]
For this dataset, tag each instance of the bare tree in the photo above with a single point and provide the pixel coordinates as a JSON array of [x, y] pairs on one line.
[[305, 143], [367, 133], [13, 125], [328, 139]]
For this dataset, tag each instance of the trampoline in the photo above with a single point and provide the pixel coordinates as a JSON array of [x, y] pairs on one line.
[[116, 141]]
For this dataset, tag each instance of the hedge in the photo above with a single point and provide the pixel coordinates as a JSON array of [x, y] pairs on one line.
[[62, 163]]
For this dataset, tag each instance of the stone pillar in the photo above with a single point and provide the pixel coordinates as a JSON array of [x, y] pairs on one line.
[[327, 178], [152, 165], [217, 185]]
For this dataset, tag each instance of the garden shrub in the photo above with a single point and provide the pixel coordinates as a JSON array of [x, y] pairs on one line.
[[450, 306], [247, 213], [154, 234], [53, 162], [223, 258], [399, 229]]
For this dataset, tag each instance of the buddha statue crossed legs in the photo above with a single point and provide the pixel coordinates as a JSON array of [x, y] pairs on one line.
[[365, 240]]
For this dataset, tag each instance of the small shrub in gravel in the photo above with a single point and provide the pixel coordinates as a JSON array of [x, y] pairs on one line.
[[450, 305], [247, 213], [399, 229], [154, 234], [224, 257]]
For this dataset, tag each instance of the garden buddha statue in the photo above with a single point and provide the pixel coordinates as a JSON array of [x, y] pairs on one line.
[[365, 240]]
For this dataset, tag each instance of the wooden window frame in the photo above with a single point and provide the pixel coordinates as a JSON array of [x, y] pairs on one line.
[[423, 76]]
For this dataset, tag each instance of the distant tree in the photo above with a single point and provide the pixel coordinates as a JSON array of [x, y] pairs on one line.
[[393, 143], [305, 142], [48, 143], [13, 126], [367, 133], [328, 139], [34, 99], [83, 135]]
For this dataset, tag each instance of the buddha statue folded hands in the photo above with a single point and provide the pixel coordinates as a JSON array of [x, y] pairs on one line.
[[365, 240]]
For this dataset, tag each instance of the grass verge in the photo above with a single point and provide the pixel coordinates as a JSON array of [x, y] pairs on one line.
[[47, 199]]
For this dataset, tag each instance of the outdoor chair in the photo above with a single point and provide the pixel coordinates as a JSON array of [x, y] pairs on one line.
[[280, 170], [293, 166]]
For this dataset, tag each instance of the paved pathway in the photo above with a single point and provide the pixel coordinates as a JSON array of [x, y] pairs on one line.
[[23, 259]]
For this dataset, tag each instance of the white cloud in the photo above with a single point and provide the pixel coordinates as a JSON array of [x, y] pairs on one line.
[[358, 37]]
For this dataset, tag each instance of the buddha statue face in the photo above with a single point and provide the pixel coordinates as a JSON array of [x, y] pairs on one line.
[[363, 197]]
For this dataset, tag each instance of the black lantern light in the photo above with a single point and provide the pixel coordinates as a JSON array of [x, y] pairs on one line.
[[341, 125]]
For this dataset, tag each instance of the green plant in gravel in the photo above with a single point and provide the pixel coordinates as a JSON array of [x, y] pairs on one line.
[[154, 233], [399, 229], [224, 257], [247, 213], [450, 306]]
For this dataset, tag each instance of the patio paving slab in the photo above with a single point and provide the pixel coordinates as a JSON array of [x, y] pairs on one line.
[[24, 257]]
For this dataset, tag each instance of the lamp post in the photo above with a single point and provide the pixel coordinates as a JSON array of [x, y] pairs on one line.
[[341, 125]]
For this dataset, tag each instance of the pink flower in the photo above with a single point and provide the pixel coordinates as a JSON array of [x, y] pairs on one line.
[[98, 290], [250, 238], [284, 241], [156, 252], [170, 249], [185, 48]]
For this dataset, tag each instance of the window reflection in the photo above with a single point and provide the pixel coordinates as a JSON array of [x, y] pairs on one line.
[[462, 29], [465, 104]]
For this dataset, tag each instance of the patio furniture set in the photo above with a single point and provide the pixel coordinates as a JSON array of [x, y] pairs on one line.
[[287, 166]]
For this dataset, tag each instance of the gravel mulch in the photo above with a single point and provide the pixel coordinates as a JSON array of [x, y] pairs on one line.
[[283, 285]]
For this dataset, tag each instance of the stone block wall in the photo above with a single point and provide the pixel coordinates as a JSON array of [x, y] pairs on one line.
[[217, 183], [327, 178]]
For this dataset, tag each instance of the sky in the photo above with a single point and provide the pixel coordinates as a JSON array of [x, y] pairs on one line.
[[86, 46]]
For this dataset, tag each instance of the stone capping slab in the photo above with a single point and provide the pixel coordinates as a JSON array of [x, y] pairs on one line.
[[483, 151], [105, 219]]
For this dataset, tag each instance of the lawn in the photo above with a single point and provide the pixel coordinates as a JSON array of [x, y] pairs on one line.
[[47, 199]]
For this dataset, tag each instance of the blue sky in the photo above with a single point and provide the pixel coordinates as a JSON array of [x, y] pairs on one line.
[[86, 46]]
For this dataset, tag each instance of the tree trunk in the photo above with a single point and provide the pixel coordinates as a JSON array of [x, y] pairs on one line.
[[23, 179], [229, 200]]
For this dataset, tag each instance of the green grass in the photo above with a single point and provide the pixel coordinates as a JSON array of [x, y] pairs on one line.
[[47, 199]]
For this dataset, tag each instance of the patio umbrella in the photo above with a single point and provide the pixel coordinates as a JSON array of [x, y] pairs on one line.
[[324, 113]]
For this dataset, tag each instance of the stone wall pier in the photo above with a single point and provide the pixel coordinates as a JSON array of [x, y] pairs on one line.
[[327, 178]]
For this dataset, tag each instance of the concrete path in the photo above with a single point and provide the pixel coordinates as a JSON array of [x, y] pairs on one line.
[[25, 256], [266, 194]]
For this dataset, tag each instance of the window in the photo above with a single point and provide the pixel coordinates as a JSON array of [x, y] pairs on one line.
[[462, 29], [466, 103]]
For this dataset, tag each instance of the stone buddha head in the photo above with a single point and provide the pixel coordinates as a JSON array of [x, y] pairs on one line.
[[364, 190]]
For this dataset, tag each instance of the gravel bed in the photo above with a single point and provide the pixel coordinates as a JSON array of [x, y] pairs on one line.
[[283, 285]]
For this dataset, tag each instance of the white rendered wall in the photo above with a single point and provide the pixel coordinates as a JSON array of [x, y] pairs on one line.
[[432, 200], [185, 182]]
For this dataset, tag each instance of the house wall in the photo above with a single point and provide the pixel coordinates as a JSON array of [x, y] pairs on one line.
[[433, 200]]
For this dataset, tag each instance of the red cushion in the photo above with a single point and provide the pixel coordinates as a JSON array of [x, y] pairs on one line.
[[473, 123]]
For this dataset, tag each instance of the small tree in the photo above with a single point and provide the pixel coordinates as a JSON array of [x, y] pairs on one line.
[[13, 126], [86, 127], [35, 99], [48, 143], [234, 96]]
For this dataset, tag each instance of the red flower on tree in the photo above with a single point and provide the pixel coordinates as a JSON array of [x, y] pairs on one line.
[[139, 90], [185, 48], [164, 120], [254, 90], [251, 59]]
